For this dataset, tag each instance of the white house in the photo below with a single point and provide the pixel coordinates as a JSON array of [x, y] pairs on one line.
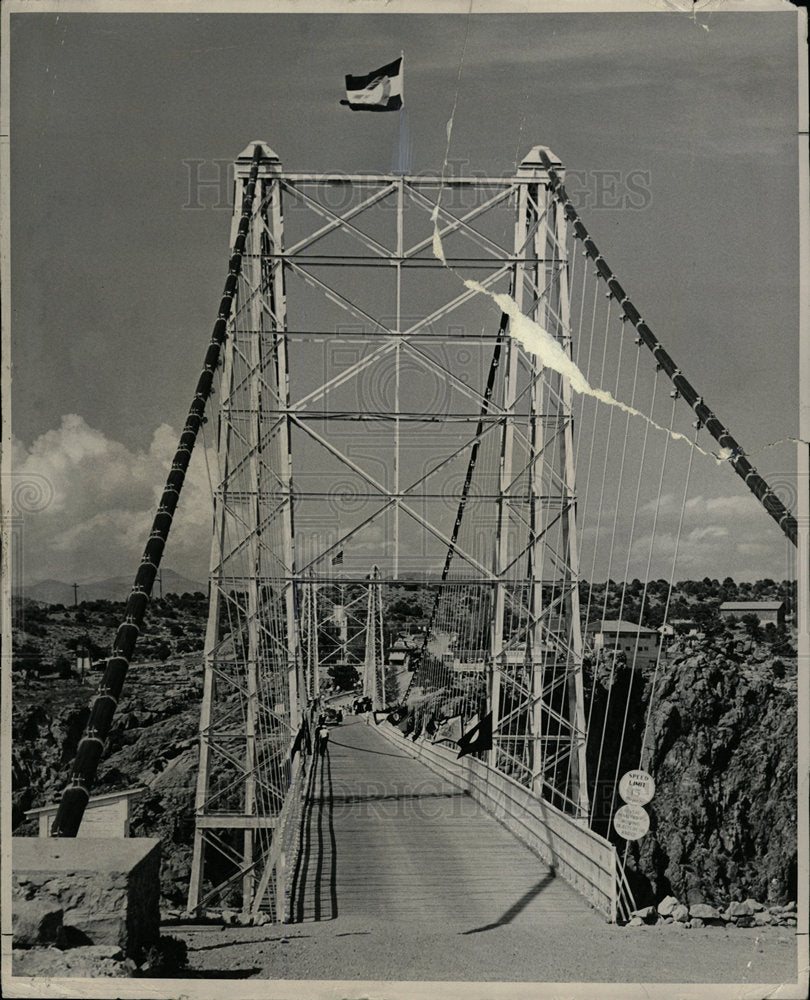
[[639, 644]]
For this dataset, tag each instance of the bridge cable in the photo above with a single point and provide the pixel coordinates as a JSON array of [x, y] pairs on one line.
[[632, 529], [493, 368], [735, 453], [653, 683], [645, 589], [91, 746], [657, 508], [268, 772], [666, 610], [647, 573]]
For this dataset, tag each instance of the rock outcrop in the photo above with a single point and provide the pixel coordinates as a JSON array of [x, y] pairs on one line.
[[722, 748]]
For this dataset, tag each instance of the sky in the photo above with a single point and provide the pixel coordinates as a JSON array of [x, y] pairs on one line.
[[118, 259]]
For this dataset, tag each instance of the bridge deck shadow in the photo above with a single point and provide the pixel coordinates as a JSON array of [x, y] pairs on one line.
[[385, 838]]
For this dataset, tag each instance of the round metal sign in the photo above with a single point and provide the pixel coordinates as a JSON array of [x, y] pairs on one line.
[[637, 787], [631, 822]]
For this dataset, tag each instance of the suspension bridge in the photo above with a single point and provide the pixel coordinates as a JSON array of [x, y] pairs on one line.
[[436, 387]]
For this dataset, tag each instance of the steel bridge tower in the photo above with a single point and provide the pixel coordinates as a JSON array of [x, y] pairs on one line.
[[374, 663], [537, 672], [350, 394]]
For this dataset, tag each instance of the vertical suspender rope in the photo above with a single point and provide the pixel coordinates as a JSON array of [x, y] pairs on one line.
[[91, 746], [755, 483], [451, 548]]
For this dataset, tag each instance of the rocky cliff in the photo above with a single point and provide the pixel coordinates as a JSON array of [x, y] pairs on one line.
[[721, 746], [722, 742]]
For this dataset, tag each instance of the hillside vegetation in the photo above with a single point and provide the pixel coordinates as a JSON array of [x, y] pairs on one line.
[[722, 737]]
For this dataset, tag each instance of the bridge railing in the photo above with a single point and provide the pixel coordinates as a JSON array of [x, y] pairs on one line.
[[282, 856], [586, 860], [625, 901]]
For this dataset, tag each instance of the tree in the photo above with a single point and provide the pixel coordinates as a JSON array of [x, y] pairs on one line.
[[344, 675], [63, 666], [27, 657], [770, 633], [751, 624]]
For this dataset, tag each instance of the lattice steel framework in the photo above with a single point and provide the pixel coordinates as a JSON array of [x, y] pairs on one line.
[[374, 662], [537, 696], [352, 386]]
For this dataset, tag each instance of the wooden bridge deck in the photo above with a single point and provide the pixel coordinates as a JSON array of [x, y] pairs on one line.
[[402, 878], [385, 838]]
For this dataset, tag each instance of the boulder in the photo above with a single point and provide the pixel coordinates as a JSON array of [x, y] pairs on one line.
[[680, 914], [100, 951], [667, 905], [646, 913], [736, 910], [754, 904], [763, 918], [35, 922], [695, 922], [635, 922], [84, 962], [704, 912]]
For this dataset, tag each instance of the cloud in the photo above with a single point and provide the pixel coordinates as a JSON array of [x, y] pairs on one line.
[[721, 536], [98, 500]]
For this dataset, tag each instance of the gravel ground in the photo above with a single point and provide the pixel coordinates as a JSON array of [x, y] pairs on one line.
[[568, 950]]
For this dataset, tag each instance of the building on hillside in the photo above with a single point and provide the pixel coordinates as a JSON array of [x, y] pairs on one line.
[[107, 815], [398, 656], [638, 643], [684, 626], [766, 611]]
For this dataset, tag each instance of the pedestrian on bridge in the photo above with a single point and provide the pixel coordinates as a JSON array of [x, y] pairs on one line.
[[322, 734]]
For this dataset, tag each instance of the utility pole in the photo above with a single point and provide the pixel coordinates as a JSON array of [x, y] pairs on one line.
[[75, 595]]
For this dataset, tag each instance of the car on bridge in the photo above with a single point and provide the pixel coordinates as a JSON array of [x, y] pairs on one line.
[[333, 716]]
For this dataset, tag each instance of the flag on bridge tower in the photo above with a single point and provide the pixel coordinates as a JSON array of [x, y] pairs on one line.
[[379, 90], [478, 738]]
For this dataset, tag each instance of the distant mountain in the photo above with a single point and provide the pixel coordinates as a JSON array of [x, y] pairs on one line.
[[49, 592], [116, 588]]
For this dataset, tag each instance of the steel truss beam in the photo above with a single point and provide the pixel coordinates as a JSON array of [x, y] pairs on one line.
[[296, 415], [540, 718]]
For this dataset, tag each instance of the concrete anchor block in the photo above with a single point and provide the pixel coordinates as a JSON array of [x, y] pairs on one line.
[[107, 888]]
